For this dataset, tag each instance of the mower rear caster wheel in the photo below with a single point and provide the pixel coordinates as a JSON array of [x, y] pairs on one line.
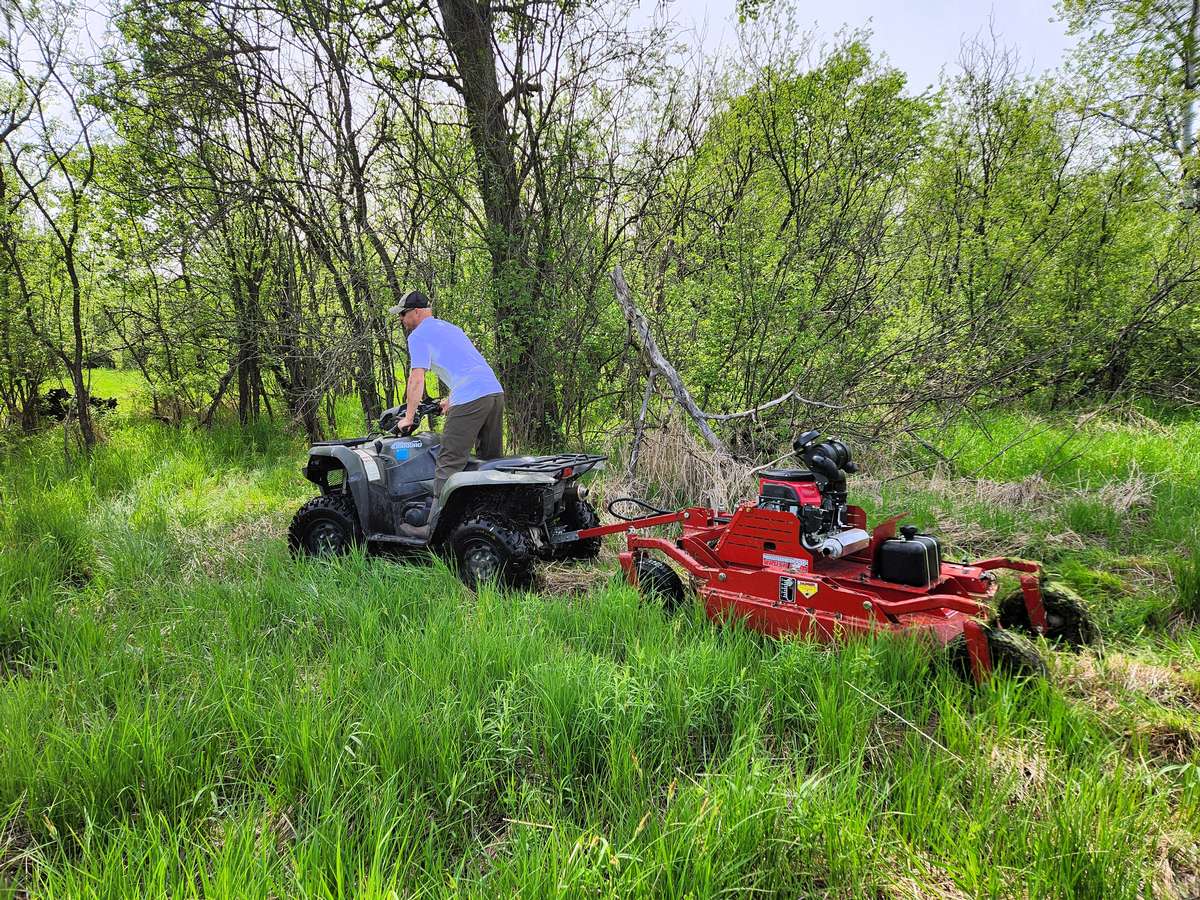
[[658, 582], [487, 548], [1012, 654], [579, 515], [1067, 618], [325, 526]]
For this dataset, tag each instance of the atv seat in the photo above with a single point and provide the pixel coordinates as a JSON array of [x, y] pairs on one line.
[[483, 465]]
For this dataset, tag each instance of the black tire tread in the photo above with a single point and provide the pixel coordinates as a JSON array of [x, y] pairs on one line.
[[519, 571], [657, 581], [1069, 621], [579, 515], [1013, 655], [323, 507]]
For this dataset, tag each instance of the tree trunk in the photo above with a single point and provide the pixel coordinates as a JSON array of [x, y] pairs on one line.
[[241, 351], [532, 412], [1191, 84], [75, 362]]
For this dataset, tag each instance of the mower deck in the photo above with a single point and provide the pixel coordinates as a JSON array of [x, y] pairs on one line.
[[749, 564]]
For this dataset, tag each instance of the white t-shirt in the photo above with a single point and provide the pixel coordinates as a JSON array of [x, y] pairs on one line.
[[438, 345]]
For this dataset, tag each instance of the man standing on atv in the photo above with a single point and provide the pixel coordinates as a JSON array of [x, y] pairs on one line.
[[474, 409]]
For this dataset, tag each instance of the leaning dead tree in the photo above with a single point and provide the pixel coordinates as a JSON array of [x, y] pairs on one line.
[[640, 428], [659, 363]]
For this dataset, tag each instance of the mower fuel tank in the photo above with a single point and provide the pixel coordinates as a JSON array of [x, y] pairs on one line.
[[914, 559]]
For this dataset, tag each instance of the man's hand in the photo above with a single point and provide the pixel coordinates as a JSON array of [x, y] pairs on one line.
[[445, 405], [413, 394]]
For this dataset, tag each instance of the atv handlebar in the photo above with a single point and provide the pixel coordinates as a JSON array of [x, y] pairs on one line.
[[425, 408]]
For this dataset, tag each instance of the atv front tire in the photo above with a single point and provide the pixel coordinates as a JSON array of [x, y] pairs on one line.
[[488, 548], [1067, 618], [1013, 655], [325, 526], [579, 515], [657, 582]]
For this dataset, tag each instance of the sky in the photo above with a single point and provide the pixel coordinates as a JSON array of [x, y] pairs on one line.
[[918, 36]]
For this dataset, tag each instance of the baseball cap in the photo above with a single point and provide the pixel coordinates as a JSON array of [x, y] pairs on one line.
[[411, 300]]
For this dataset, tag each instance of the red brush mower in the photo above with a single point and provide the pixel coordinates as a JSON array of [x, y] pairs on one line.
[[801, 560]]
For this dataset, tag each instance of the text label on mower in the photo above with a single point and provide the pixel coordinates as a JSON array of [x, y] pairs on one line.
[[786, 562]]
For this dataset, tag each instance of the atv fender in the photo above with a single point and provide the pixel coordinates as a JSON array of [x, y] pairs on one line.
[[361, 468], [460, 481]]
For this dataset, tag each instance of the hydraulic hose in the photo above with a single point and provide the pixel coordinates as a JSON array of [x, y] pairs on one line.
[[636, 501]]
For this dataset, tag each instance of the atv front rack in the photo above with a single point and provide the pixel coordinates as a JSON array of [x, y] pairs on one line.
[[344, 442]]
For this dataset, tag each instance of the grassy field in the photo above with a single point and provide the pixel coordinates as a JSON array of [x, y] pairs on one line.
[[185, 710]]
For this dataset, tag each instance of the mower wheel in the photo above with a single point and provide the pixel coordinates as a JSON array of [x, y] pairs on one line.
[[325, 526], [1012, 654], [488, 548], [579, 515], [1067, 618], [658, 582]]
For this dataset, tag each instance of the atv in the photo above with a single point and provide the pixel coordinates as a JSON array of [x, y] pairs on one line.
[[492, 522]]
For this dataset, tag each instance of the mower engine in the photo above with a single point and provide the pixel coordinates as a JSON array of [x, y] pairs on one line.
[[817, 496]]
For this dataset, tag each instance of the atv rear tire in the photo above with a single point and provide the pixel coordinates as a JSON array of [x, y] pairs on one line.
[[487, 548], [657, 582], [1013, 655], [325, 526], [1067, 618], [579, 515]]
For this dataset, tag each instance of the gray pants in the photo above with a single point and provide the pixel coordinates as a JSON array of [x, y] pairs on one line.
[[478, 424]]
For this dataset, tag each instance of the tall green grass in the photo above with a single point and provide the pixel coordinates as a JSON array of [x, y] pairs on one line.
[[1186, 572], [1108, 502], [186, 710], [1091, 452]]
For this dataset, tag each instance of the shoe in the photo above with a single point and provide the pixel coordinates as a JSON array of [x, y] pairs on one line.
[[420, 532]]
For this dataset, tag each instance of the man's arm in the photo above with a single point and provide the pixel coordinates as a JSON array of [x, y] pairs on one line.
[[416, 390]]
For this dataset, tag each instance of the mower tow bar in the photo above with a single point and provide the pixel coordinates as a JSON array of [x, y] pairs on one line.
[[629, 526], [671, 518]]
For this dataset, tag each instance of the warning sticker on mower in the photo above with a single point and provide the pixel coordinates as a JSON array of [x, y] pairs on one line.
[[791, 563], [789, 587], [369, 464]]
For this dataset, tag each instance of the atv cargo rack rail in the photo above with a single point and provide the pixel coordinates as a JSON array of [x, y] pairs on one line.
[[578, 463]]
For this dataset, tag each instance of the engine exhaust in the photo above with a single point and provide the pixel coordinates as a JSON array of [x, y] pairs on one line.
[[849, 541]]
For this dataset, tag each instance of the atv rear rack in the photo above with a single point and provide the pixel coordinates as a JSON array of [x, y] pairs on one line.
[[577, 463]]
